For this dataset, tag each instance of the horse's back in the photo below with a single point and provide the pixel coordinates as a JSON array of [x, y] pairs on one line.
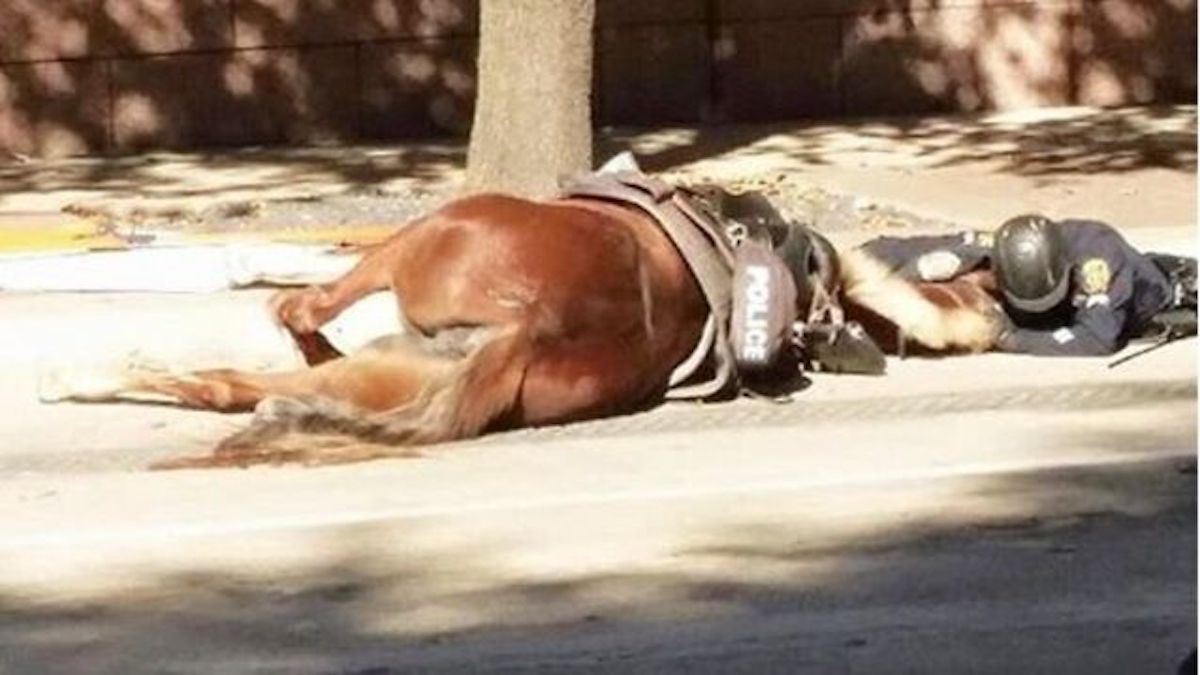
[[497, 258]]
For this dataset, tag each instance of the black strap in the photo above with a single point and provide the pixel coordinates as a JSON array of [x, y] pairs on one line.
[[1167, 338], [708, 257]]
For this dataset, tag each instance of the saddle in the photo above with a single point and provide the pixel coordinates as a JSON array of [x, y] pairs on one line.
[[754, 273], [709, 370]]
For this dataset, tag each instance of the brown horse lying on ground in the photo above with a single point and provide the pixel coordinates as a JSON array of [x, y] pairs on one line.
[[518, 313]]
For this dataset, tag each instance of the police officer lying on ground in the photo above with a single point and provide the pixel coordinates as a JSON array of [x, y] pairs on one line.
[[1069, 288]]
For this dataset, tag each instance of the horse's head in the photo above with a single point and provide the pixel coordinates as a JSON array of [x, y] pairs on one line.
[[813, 264], [810, 257]]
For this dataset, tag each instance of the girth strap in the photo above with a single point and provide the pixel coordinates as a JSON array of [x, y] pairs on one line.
[[699, 239]]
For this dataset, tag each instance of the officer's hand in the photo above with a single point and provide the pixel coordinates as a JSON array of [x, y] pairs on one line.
[[939, 265]]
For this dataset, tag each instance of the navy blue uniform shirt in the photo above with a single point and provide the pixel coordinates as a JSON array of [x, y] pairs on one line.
[[1114, 289], [932, 257]]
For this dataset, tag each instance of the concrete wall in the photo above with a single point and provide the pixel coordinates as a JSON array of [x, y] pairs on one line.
[[95, 76]]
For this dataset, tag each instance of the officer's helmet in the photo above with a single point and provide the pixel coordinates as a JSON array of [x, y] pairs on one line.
[[1029, 258]]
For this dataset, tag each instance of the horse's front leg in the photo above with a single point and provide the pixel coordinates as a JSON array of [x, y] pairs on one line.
[[305, 310]]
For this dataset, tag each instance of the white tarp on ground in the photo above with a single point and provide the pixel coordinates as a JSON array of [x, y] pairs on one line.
[[206, 269], [174, 269], [191, 268], [372, 317]]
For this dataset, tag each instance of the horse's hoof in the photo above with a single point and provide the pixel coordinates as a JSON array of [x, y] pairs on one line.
[[300, 310], [52, 387], [57, 386]]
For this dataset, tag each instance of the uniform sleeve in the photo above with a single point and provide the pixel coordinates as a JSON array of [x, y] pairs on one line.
[[930, 258], [1097, 329], [945, 263]]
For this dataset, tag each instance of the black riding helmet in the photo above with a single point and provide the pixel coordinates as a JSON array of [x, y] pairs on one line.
[[1029, 257], [813, 262], [810, 257]]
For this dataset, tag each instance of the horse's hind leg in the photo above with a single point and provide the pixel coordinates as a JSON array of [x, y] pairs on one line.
[[375, 404], [377, 378], [458, 397], [304, 310]]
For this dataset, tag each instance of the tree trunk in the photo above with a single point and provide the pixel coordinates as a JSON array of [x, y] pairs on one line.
[[533, 120]]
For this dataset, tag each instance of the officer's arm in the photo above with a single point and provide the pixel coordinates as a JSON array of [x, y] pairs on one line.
[[900, 253], [954, 258], [1097, 330], [1092, 335]]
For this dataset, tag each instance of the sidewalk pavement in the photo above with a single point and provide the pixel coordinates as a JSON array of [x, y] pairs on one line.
[[1133, 167]]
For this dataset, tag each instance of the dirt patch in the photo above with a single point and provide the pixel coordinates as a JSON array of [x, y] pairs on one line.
[[798, 200]]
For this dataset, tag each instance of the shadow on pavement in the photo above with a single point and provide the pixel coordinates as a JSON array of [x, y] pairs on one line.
[[1088, 570], [1088, 142]]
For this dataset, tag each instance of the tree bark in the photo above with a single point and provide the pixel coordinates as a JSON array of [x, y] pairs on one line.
[[533, 120]]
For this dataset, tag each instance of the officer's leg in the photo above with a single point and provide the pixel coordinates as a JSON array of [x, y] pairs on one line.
[[1181, 272], [1178, 319]]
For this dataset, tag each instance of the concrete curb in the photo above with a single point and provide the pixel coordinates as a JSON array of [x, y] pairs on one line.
[[1092, 395]]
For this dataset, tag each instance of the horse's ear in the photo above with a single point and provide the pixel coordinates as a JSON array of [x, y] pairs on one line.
[[710, 191], [755, 207], [755, 202], [712, 196]]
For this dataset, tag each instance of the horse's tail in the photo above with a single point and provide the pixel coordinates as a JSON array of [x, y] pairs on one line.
[[940, 317], [459, 398]]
